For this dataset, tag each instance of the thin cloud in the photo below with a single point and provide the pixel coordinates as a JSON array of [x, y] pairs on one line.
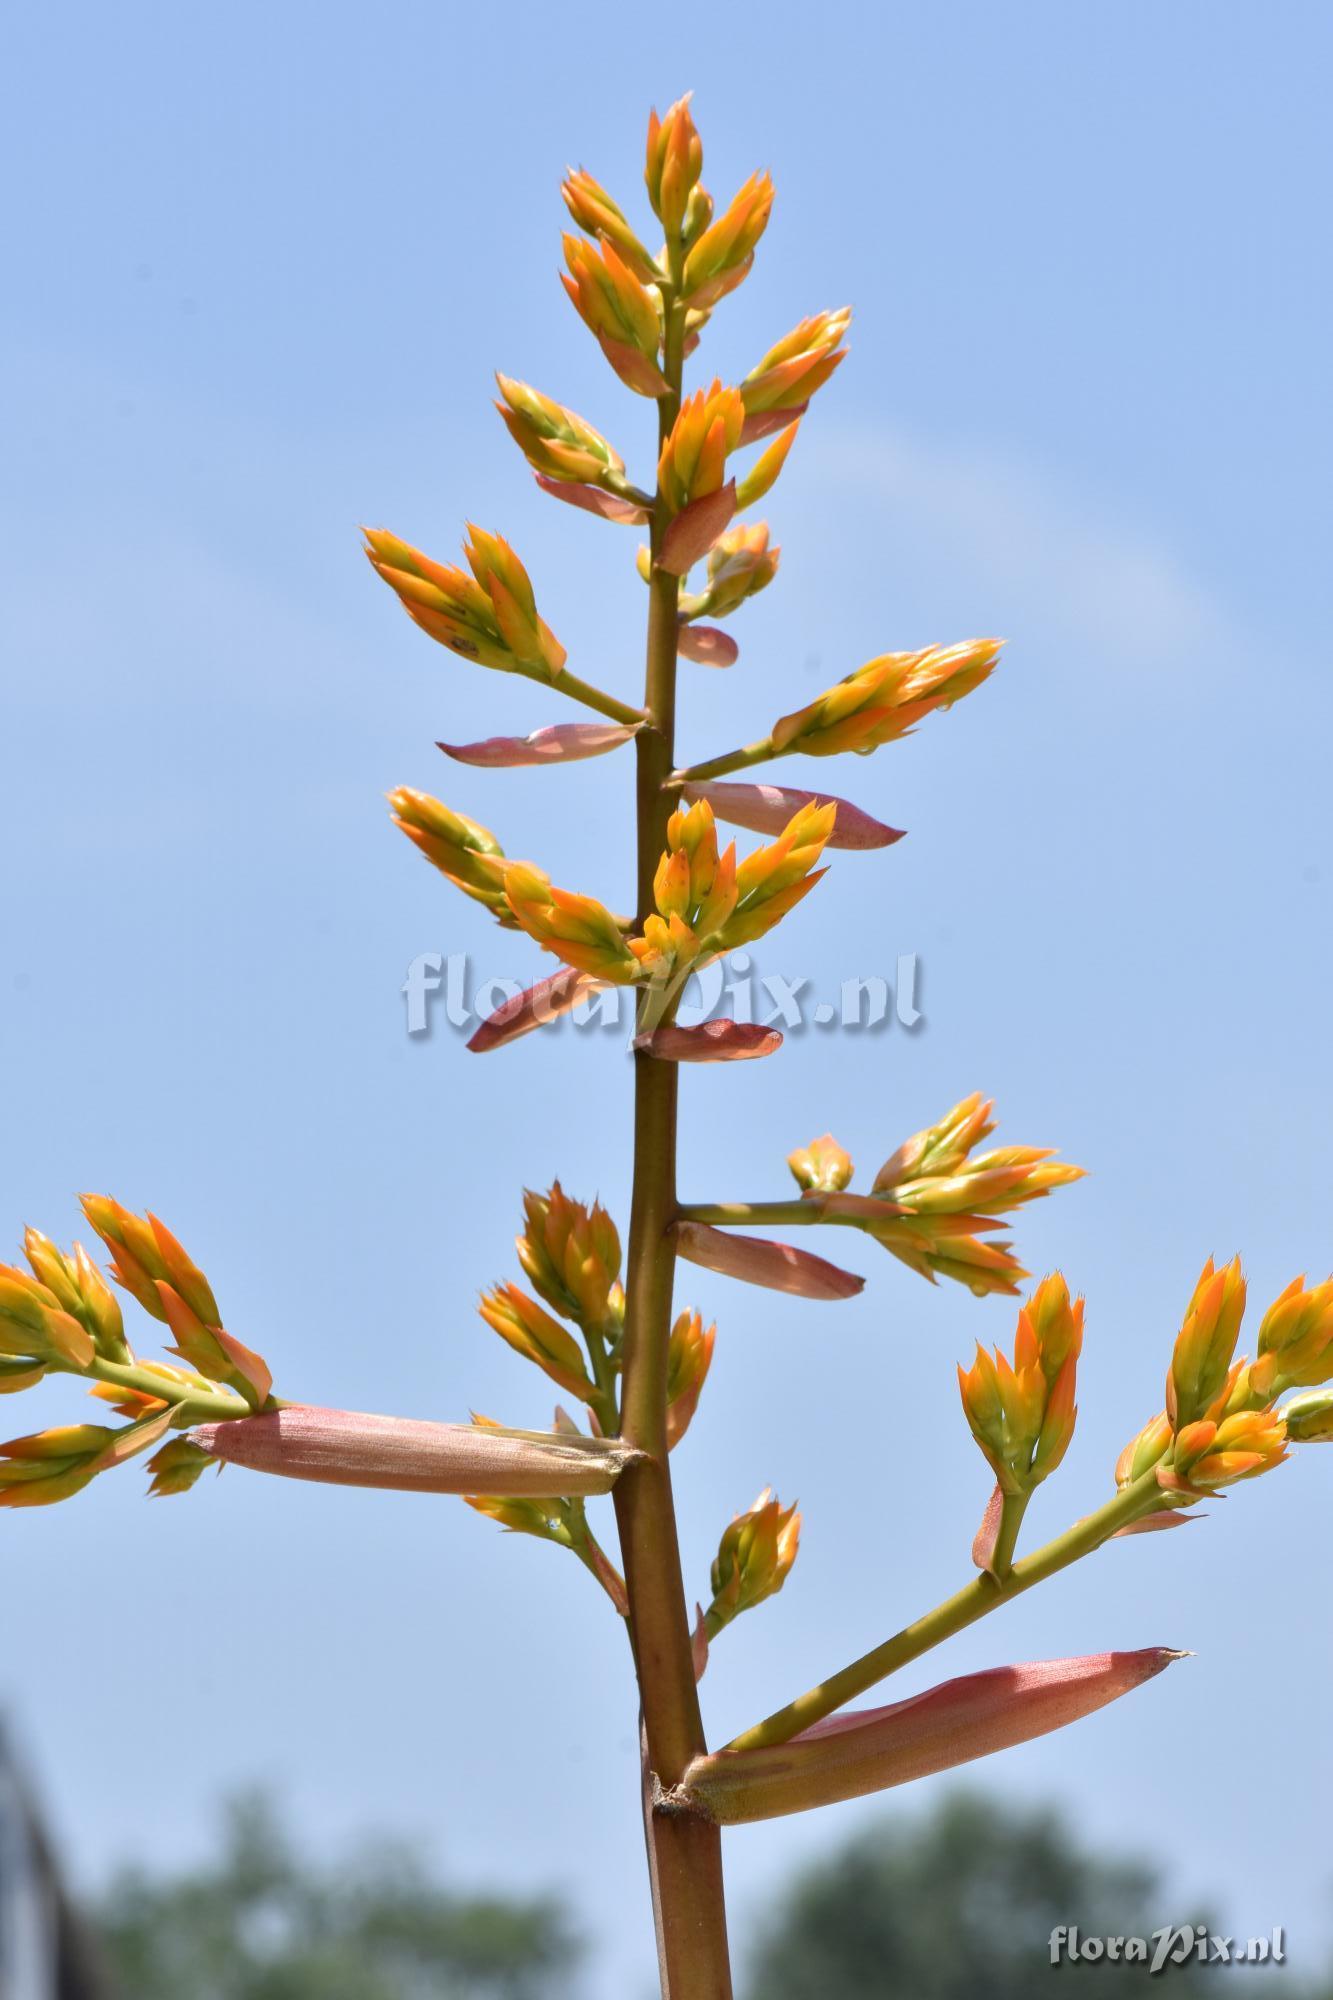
[[1041, 554]]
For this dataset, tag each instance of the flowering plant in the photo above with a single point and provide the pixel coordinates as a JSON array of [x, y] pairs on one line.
[[603, 1324]]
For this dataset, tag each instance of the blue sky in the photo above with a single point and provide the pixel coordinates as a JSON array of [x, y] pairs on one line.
[[262, 263]]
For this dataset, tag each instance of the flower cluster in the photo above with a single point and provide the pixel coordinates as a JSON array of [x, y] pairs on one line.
[[935, 1199], [1222, 1422], [64, 1319], [490, 616], [1022, 1412]]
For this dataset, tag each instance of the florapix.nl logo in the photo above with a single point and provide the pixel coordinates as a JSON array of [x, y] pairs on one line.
[[449, 990]]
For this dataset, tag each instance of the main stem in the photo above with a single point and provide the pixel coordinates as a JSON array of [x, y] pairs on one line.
[[684, 1851]]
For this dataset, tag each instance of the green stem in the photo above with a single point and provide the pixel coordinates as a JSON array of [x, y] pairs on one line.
[[604, 1376], [760, 1214], [590, 696], [203, 1399], [735, 760], [594, 1558], [1013, 1506], [684, 1851], [984, 1594]]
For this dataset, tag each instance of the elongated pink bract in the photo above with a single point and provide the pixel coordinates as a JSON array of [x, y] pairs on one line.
[[558, 743], [768, 808], [593, 500], [534, 1007], [348, 1448], [779, 1266], [694, 530], [847, 1756]]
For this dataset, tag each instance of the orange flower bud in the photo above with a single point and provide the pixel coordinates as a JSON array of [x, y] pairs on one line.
[[886, 698], [594, 211], [555, 441], [465, 852], [693, 458], [570, 1253], [1295, 1340], [722, 256], [34, 1326], [533, 1333], [1022, 1413], [766, 470], [801, 362], [150, 1263], [136, 1256], [1206, 1343], [674, 163], [576, 928], [51, 1465], [773, 879], [689, 1357], [753, 1560], [623, 314], [1144, 1451], [490, 616], [82, 1291], [1209, 1455]]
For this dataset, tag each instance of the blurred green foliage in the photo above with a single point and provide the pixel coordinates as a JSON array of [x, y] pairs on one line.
[[961, 1903], [261, 1921]]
